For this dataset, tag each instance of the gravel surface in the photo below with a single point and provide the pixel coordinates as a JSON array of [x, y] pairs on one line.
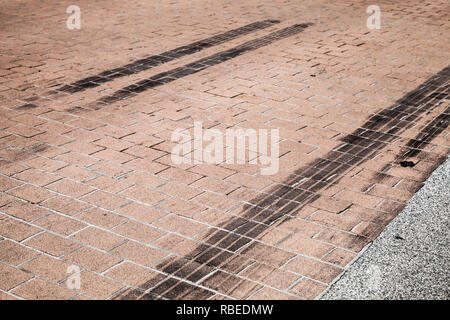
[[411, 257]]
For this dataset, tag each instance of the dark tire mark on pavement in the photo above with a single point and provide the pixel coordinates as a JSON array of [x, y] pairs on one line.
[[233, 245], [156, 60], [427, 134], [202, 64]]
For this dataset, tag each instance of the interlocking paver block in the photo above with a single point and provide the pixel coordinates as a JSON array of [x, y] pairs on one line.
[[48, 268], [15, 254], [39, 289], [11, 277], [17, 230], [51, 244]]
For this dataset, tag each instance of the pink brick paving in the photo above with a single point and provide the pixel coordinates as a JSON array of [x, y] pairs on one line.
[[87, 181]]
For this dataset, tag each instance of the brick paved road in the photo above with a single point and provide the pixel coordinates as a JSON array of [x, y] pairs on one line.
[[87, 182]]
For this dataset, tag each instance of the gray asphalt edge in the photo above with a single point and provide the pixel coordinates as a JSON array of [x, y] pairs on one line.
[[410, 259]]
